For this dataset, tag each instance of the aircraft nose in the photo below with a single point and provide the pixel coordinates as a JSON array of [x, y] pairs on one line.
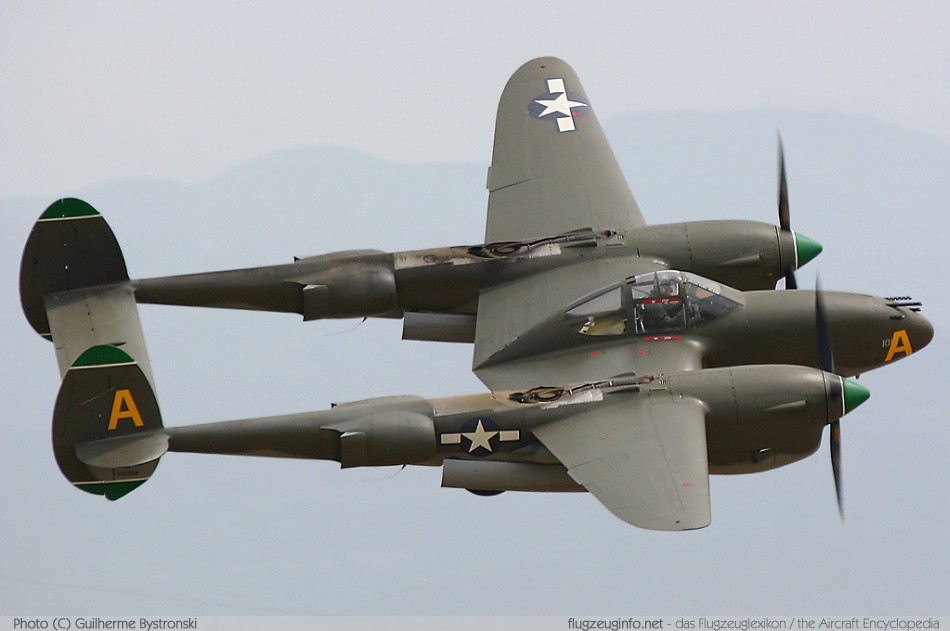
[[869, 332], [910, 331], [920, 329]]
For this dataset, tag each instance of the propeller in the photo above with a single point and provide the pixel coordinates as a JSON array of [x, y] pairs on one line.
[[853, 394], [805, 249], [826, 359], [784, 220]]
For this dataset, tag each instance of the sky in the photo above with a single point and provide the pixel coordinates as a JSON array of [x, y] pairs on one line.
[[194, 127], [181, 90]]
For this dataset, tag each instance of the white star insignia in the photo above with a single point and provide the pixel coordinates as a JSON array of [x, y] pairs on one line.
[[561, 105], [479, 437]]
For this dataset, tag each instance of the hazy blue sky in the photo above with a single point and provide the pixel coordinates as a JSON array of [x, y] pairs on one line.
[[94, 93], [180, 90]]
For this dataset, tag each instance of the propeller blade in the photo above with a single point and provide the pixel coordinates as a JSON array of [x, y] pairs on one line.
[[805, 249], [790, 282], [835, 437], [784, 219], [826, 355], [852, 393]]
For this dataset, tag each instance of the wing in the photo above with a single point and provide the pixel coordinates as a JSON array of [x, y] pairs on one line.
[[552, 170], [646, 463]]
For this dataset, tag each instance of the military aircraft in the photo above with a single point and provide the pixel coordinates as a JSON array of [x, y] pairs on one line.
[[628, 360]]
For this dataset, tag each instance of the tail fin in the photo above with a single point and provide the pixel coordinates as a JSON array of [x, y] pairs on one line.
[[75, 291], [74, 286], [107, 428]]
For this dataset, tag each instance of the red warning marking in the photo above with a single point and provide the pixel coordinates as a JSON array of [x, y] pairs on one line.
[[544, 66], [662, 338], [573, 113], [687, 484], [594, 353], [659, 301], [641, 353]]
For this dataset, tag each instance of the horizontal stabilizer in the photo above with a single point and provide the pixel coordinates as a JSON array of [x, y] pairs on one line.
[[124, 451]]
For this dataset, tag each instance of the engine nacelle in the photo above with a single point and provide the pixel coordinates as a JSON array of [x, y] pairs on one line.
[[351, 284], [747, 255], [384, 438], [766, 416]]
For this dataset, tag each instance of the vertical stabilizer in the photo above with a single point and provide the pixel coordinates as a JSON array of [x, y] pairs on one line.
[[74, 286], [107, 428]]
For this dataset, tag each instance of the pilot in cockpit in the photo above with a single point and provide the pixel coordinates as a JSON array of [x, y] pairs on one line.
[[669, 288], [663, 311]]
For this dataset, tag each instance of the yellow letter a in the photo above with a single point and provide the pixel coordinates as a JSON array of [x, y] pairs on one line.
[[900, 343], [128, 410]]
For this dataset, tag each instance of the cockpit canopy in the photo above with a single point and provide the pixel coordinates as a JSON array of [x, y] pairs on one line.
[[657, 302]]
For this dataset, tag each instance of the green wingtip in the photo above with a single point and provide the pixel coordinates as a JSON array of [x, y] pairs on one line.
[[102, 355], [806, 248], [67, 208], [854, 394], [113, 490]]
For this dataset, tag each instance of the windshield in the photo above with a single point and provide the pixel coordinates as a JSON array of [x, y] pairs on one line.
[[658, 302]]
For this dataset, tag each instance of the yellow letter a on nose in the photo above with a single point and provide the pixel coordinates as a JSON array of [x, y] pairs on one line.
[[123, 406], [900, 343]]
